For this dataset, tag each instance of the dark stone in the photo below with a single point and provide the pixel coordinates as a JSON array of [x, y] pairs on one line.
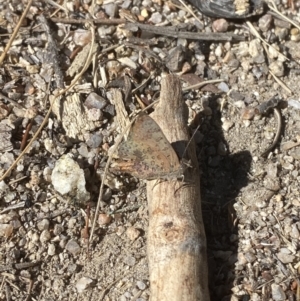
[[227, 8]]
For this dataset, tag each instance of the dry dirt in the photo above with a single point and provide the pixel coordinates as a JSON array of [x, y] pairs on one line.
[[250, 202]]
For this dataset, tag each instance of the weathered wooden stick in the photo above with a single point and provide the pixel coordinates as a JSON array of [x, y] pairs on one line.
[[176, 238]]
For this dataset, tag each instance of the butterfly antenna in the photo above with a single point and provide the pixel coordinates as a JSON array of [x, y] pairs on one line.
[[186, 148]]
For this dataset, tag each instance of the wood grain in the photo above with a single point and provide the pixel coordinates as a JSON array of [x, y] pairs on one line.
[[176, 238]]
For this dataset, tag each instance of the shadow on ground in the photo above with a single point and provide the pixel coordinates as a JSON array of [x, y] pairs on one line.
[[222, 178]]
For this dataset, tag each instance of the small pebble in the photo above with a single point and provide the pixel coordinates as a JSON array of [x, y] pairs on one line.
[[240, 104], [220, 25], [47, 283], [246, 124], [104, 31], [51, 250], [277, 292], [95, 101], [156, 18], [255, 48], [45, 236], [295, 173], [58, 229], [281, 23], [182, 42], [83, 283], [277, 68], [250, 257], [130, 260], [128, 295], [223, 87], [93, 140], [259, 59], [110, 9], [73, 247], [236, 96], [246, 65], [296, 203], [3, 186], [286, 258], [269, 135], [126, 4], [83, 150], [234, 64], [15, 223], [264, 23], [227, 124], [181, 14], [294, 103], [57, 284], [228, 57], [68, 178], [281, 33], [47, 173], [141, 285], [272, 170], [287, 166], [120, 230], [295, 34], [254, 297], [104, 219], [219, 51], [81, 37], [72, 267], [43, 224], [295, 231], [144, 13], [72, 222], [6, 230], [123, 298], [133, 233], [8, 217], [273, 51], [35, 237]]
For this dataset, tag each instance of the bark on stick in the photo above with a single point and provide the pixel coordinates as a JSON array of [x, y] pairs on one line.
[[176, 238]]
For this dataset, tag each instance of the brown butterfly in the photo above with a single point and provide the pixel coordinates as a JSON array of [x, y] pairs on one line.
[[147, 154]]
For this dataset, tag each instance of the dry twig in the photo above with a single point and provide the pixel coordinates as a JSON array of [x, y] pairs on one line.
[[281, 83], [190, 11], [172, 31], [15, 32], [84, 21], [255, 33], [274, 8], [199, 85]]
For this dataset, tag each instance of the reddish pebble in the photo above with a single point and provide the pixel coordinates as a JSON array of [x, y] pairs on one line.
[[104, 219], [247, 113], [220, 25]]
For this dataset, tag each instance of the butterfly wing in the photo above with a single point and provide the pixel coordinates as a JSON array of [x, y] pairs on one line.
[[149, 152]]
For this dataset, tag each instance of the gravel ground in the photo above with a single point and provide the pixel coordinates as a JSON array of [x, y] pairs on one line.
[[250, 198]]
